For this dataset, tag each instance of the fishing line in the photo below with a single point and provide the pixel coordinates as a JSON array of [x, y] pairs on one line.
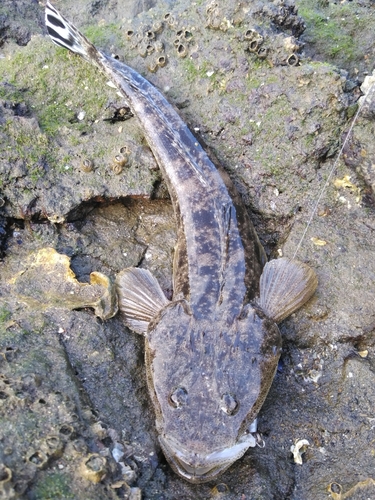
[[332, 170]]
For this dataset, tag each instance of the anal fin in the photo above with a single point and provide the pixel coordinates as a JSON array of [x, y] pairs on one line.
[[140, 297]]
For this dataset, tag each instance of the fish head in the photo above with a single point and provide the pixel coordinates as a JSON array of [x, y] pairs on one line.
[[208, 380]]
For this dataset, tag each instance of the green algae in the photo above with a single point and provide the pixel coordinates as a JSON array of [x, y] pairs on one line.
[[103, 35], [55, 485], [53, 83], [5, 315], [332, 29]]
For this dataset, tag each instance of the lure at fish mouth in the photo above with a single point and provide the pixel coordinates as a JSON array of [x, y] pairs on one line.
[[212, 351]]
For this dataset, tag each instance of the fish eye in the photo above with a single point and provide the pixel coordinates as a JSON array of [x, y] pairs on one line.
[[229, 404], [178, 397]]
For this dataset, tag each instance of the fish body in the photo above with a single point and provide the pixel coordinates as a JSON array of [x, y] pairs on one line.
[[212, 351]]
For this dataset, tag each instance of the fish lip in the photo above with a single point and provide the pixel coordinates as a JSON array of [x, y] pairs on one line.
[[199, 468]]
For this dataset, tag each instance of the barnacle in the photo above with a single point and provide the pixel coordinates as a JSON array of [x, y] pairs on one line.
[[53, 446], [2, 202], [363, 489], [121, 159], [249, 35], [67, 430], [10, 353], [187, 35], [252, 34], [136, 38], [38, 458], [335, 489], [157, 27], [150, 48], [87, 165], [162, 61], [254, 45], [93, 467], [142, 49], [5, 474], [262, 53], [220, 490], [170, 19], [116, 168], [118, 163], [182, 50], [292, 60], [6, 490], [159, 46], [153, 66], [150, 35]]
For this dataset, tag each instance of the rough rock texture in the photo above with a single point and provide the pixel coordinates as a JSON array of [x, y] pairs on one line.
[[254, 80]]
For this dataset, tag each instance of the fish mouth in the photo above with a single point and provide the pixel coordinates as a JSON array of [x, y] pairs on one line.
[[200, 467]]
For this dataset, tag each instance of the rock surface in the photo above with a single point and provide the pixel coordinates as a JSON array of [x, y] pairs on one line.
[[75, 417]]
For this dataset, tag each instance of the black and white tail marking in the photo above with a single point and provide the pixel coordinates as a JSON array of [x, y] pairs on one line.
[[65, 34]]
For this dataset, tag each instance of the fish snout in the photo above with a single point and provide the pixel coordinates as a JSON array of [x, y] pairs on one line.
[[199, 466]]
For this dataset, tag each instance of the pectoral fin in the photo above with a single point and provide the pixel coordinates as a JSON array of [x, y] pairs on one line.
[[285, 285], [140, 297]]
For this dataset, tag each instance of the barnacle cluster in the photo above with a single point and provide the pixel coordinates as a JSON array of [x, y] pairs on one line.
[[215, 18], [121, 159], [270, 42], [147, 41], [131, 154], [278, 49], [24, 454], [147, 44], [182, 41], [57, 441]]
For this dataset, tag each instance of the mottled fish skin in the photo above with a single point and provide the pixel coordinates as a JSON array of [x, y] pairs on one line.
[[211, 353]]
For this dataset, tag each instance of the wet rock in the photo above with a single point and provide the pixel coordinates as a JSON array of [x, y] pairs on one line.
[[359, 148], [48, 281], [285, 16], [50, 182], [19, 21]]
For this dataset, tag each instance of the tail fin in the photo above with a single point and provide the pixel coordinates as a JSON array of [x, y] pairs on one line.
[[66, 35]]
